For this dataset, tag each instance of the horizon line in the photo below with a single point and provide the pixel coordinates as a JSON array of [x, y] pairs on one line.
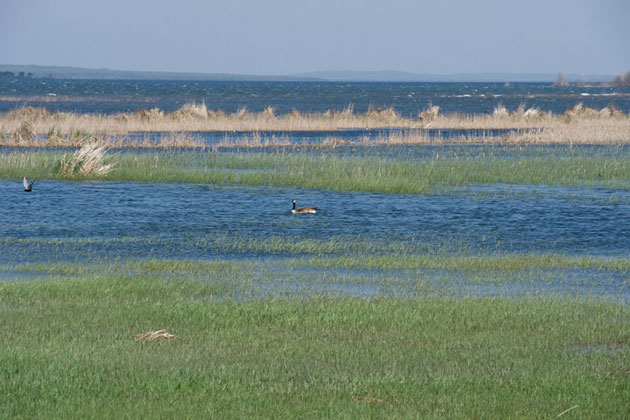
[[317, 75]]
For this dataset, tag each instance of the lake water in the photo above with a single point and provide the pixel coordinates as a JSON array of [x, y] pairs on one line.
[[95, 221], [73, 220], [107, 97], [91, 222]]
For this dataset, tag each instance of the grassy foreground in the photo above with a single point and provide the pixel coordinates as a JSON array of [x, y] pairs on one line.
[[67, 350], [394, 175]]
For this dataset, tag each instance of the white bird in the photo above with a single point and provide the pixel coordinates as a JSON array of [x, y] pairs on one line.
[[304, 210], [28, 186]]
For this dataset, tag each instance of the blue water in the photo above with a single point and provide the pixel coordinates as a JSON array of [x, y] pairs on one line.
[[81, 220], [107, 97], [106, 221]]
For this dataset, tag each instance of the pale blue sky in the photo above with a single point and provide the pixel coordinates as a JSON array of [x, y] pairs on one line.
[[290, 36]]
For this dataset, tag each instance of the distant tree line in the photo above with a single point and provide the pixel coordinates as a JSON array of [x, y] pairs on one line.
[[620, 80], [10, 74], [562, 82]]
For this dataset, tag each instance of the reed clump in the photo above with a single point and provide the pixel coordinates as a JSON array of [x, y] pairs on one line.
[[522, 114], [149, 115], [579, 110], [383, 115], [29, 113], [191, 112], [500, 111], [89, 160], [430, 114], [24, 134]]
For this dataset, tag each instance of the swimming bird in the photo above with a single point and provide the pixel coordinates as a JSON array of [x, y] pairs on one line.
[[28, 186], [304, 210]]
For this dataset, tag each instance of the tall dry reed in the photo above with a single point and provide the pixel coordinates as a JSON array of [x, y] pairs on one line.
[[36, 127], [89, 160]]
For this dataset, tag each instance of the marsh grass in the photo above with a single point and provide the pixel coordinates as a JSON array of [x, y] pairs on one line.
[[253, 140], [196, 117], [430, 113], [283, 269], [342, 173], [170, 141], [67, 349], [579, 125], [503, 263]]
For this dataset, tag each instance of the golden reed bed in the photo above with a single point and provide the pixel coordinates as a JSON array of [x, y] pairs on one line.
[[36, 127]]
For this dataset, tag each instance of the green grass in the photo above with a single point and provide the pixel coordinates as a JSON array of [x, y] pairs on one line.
[[435, 260], [504, 263], [403, 276], [390, 175], [230, 243], [67, 351]]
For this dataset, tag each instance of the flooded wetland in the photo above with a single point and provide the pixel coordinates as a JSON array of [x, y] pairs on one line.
[[93, 222], [433, 268]]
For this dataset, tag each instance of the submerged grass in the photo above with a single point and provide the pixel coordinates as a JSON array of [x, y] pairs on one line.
[[67, 349], [438, 273], [355, 255], [504, 263], [342, 173]]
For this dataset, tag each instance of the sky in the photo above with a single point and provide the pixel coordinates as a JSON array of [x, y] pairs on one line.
[[284, 37]]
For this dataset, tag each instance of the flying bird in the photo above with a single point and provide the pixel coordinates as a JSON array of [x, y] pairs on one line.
[[28, 186], [303, 210]]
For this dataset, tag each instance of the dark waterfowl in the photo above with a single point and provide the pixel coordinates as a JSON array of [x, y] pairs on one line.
[[28, 186], [304, 210]]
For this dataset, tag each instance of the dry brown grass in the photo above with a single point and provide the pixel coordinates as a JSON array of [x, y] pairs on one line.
[[153, 335], [254, 140], [429, 114], [36, 127], [88, 160], [602, 131], [193, 117], [404, 137], [171, 141]]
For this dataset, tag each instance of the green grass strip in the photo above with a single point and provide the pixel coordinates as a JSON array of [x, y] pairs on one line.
[[505, 263], [319, 171], [435, 261], [67, 350]]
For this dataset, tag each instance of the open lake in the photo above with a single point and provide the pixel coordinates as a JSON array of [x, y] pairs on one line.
[[78, 220], [108, 97]]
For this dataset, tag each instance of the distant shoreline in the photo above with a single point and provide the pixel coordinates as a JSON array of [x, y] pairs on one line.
[[60, 72], [78, 73]]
